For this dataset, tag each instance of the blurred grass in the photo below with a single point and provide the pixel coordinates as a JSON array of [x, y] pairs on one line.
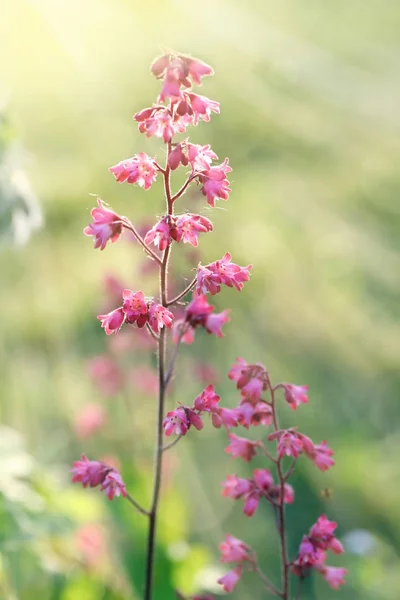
[[309, 118]]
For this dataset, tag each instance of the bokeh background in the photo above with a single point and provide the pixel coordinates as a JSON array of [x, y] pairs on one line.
[[310, 96]]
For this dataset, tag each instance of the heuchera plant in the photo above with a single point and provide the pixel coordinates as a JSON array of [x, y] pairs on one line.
[[177, 108]]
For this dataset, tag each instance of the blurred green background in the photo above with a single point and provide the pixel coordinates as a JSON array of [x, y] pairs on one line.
[[310, 96]]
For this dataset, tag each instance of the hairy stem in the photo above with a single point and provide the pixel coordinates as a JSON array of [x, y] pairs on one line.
[[281, 525], [128, 225], [151, 539], [180, 192], [183, 293]]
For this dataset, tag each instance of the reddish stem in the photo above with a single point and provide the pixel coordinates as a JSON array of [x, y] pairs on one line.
[[187, 289], [128, 225], [281, 511], [180, 192], [151, 539]]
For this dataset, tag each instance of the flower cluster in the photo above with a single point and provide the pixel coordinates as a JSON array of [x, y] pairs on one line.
[[199, 313], [292, 443], [140, 169], [107, 225], [94, 473], [221, 272], [258, 397], [313, 549], [138, 310], [181, 228], [179, 421], [234, 550], [177, 108], [261, 485]]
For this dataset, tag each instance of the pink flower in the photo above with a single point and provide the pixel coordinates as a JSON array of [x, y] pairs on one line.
[[198, 309], [91, 418], [295, 394], [223, 271], [254, 414], [242, 447], [263, 479], [235, 487], [176, 421], [215, 184], [159, 316], [179, 421], [207, 401], [158, 121], [251, 503], [229, 580], [215, 321], [89, 472], [112, 321], [180, 67], [233, 550], [252, 391], [134, 307], [189, 226], [200, 157], [322, 535], [199, 107], [93, 473], [139, 169], [322, 456], [198, 314], [289, 444], [334, 576], [177, 156], [225, 416], [106, 225], [160, 234], [241, 372], [113, 486], [181, 330]]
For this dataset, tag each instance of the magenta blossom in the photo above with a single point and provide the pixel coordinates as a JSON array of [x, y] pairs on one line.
[[93, 473], [189, 226], [221, 272], [207, 401], [198, 107], [215, 321], [178, 421], [134, 306], [236, 487], [160, 122], [180, 68], [159, 316], [139, 169], [107, 225], [199, 313], [295, 394], [160, 233], [215, 184], [234, 550], [334, 576], [113, 486], [242, 447], [229, 580], [112, 321]]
